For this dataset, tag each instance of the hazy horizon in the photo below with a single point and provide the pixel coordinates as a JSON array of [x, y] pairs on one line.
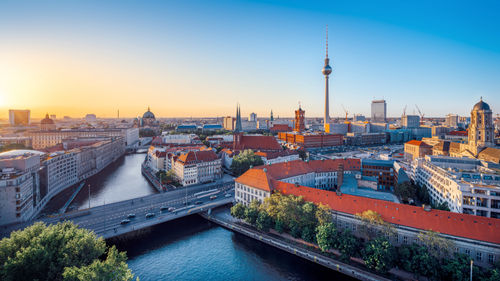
[[197, 58]]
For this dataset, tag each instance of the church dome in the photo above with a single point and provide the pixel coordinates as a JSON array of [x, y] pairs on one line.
[[148, 114], [47, 120], [481, 105]]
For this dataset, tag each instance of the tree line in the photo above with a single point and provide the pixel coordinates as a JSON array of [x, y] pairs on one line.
[[430, 255]]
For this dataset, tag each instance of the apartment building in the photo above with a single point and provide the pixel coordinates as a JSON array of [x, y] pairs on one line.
[[463, 183], [19, 189], [196, 167]]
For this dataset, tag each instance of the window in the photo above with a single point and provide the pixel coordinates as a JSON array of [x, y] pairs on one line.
[[467, 252], [479, 256], [405, 240], [491, 258]]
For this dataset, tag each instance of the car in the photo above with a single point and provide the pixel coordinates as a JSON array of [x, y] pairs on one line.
[[125, 221], [171, 209], [131, 216], [150, 215], [163, 208], [213, 197], [198, 202], [228, 195]]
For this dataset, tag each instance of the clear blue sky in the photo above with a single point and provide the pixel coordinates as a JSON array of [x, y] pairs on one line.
[[199, 58]]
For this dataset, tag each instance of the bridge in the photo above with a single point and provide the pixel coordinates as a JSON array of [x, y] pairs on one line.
[[106, 220]]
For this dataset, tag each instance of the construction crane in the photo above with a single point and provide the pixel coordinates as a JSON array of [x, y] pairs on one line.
[[345, 112], [404, 111], [420, 112]]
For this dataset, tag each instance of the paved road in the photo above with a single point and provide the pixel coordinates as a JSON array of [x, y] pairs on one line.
[[106, 220]]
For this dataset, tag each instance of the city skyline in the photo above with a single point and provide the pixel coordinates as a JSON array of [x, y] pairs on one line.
[[68, 59]]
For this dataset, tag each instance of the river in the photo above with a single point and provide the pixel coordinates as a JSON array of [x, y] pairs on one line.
[[190, 248], [195, 249]]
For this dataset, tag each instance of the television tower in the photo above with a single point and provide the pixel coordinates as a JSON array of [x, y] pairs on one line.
[[327, 69]]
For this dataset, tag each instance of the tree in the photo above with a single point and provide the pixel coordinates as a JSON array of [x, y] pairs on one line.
[[113, 268], [323, 214], [457, 268], [422, 262], [41, 252], [309, 234], [279, 226], [405, 190], [423, 195], [436, 245], [379, 255], [252, 212], [347, 244], [442, 206], [326, 236], [242, 162], [238, 211], [302, 154], [264, 221], [373, 225]]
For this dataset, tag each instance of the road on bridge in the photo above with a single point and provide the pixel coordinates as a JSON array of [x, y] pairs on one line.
[[106, 220]]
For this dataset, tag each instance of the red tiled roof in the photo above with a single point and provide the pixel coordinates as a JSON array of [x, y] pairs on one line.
[[257, 178], [193, 157], [417, 143], [258, 143], [458, 133], [280, 127], [298, 167], [456, 224]]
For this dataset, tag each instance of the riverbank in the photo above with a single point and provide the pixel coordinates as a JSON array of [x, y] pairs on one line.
[[222, 219], [146, 172]]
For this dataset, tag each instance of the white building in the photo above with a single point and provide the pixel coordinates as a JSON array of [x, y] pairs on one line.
[[179, 139], [59, 171], [196, 167], [465, 185], [277, 157], [451, 120], [43, 139]]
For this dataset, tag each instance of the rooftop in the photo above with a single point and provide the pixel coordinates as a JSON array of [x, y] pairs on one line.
[[456, 224]]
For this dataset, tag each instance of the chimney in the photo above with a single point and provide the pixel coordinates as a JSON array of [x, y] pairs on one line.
[[340, 176]]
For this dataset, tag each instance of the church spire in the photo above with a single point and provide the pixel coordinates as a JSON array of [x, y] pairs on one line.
[[238, 127]]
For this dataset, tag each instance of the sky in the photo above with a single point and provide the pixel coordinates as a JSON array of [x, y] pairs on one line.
[[200, 58]]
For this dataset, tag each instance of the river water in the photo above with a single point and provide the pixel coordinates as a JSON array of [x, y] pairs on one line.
[[195, 249], [190, 248]]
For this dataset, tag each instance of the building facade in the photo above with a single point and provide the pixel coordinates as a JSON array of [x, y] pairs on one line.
[[474, 236], [379, 111], [19, 186], [196, 167], [410, 121], [19, 117], [462, 183]]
